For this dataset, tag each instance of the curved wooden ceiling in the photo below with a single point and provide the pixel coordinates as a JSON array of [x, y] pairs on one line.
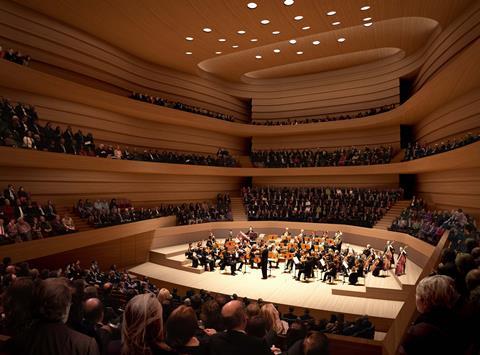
[[156, 31]]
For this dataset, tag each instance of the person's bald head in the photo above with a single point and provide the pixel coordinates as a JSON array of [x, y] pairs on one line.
[[234, 316], [93, 310]]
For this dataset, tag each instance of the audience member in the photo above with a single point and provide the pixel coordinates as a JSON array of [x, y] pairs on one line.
[[317, 158], [363, 207], [15, 56]]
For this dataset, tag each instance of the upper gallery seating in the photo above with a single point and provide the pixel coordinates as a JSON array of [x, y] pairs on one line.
[[315, 157], [19, 127], [14, 56], [327, 118], [180, 106], [361, 207], [417, 150]]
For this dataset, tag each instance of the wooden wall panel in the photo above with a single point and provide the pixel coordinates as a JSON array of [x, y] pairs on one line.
[[66, 186], [125, 130], [452, 189], [389, 181], [332, 140], [453, 120]]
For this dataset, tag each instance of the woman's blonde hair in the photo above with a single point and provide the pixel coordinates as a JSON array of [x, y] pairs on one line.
[[142, 326], [164, 295], [272, 318], [436, 291]]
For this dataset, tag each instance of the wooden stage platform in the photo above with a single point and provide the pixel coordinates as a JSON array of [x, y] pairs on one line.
[[380, 297]]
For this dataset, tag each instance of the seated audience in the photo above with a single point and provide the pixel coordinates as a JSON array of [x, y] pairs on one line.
[[362, 207], [180, 106], [316, 158], [328, 118], [14, 56], [418, 150]]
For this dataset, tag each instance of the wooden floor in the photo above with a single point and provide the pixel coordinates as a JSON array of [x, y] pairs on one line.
[[375, 296]]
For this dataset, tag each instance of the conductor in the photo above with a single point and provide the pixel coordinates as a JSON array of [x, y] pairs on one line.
[[264, 262]]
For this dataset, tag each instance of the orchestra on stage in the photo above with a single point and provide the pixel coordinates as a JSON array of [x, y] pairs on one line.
[[309, 256]]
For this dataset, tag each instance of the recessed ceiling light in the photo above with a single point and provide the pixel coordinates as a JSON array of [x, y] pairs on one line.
[[276, 50], [189, 38], [292, 41], [299, 52], [367, 19], [218, 52], [188, 53], [235, 46], [222, 40], [275, 33], [288, 2], [306, 28], [241, 32], [365, 8], [265, 22], [331, 13], [341, 39], [316, 43], [258, 56], [368, 24], [251, 5], [206, 29], [254, 40], [336, 23], [298, 18]]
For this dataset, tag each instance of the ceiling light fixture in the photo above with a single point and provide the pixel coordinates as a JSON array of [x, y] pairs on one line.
[[189, 38], [299, 52], [298, 18], [208, 30], [265, 22], [288, 2], [188, 53], [254, 40], [368, 24], [218, 52], [251, 5], [276, 50], [341, 40], [331, 13], [258, 56], [275, 33], [235, 46], [306, 28], [367, 19], [241, 32], [365, 8], [316, 43], [222, 40], [292, 41], [336, 23]]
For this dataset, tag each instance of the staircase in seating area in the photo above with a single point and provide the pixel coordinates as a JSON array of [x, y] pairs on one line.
[[392, 213], [244, 161], [238, 210], [80, 224]]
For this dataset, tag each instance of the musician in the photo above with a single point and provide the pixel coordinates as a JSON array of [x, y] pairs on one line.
[[252, 236], [211, 240], [207, 259], [368, 250], [192, 255], [390, 252], [264, 262], [273, 256], [377, 266], [338, 240], [287, 233], [353, 277], [331, 272], [228, 259], [401, 262], [289, 263]]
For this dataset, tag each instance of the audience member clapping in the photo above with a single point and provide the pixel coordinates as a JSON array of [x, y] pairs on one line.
[[316, 158], [180, 106], [354, 206], [418, 150]]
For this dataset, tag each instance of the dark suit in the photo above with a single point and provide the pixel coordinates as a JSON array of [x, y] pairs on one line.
[[233, 342], [264, 262], [53, 339]]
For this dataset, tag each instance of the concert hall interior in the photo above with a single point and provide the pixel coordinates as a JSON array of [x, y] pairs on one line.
[[239, 176]]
